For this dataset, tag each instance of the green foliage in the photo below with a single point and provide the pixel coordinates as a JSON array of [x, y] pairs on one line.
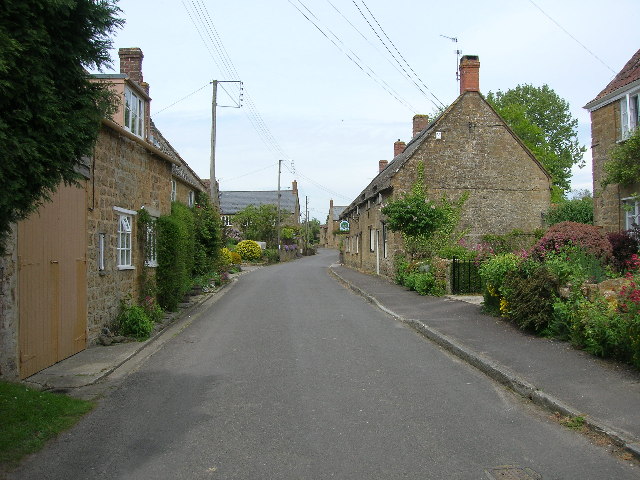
[[544, 123], [133, 321], [574, 265], [287, 233], [208, 235], [589, 237], [418, 277], [259, 223], [312, 230], [249, 250], [271, 255], [529, 296], [427, 226], [51, 111], [579, 210], [457, 251], [29, 418], [176, 247], [225, 257], [624, 164]]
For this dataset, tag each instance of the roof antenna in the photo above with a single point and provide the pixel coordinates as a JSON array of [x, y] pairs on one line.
[[458, 53]]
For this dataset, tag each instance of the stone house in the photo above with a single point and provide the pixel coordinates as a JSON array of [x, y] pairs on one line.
[[329, 232], [231, 202], [72, 262], [467, 148], [615, 113]]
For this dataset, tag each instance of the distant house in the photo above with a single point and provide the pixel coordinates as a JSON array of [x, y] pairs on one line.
[[231, 202], [329, 236], [70, 264], [467, 148], [615, 113]]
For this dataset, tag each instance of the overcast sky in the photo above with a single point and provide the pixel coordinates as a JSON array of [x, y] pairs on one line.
[[334, 106]]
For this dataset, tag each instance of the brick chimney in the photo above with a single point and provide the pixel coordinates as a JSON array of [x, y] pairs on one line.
[[420, 122], [294, 187], [382, 164], [469, 74], [131, 63], [398, 148]]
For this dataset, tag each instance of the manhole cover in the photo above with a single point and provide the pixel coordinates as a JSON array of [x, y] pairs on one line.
[[511, 472]]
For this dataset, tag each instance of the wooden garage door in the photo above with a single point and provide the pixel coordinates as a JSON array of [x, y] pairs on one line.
[[52, 281]]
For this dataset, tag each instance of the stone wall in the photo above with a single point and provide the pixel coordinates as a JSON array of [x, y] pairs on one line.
[[9, 318], [608, 211], [128, 176]]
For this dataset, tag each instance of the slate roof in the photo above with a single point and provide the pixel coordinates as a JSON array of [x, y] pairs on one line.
[[630, 73], [337, 211], [232, 202]]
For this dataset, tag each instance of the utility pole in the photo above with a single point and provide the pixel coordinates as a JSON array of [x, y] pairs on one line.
[[278, 214], [214, 188]]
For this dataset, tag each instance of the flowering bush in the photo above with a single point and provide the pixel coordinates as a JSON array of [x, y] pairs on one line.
[[249, 250], [225, 257], [623, 246], [236, 259], [590, 238]]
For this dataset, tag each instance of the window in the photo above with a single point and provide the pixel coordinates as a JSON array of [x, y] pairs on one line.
[[133, 112], [124, 242], [384, 240], [632, 212], [372, 240], [191, 200], [629, 115], [357, 243], [151, 244], [226, 220], [174, 188]]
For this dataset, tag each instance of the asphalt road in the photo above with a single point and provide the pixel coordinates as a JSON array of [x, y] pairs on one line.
[[291, 376]]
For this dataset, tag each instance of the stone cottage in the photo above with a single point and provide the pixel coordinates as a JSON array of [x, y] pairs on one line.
[[467, 148], [71, 263], [231, 202], [615, 114], [330, 236]]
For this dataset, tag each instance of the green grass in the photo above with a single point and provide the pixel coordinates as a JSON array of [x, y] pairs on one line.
[[28, 418]]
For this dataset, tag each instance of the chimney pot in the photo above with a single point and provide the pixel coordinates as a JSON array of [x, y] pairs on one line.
[[469, 74], [382, 164], [420, 122]]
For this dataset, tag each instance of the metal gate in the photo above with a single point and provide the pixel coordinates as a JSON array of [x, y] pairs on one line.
[[465, 278], [52, 281]]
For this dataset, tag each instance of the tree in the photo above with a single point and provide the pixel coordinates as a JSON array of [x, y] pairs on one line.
[[544, 123], [259, 223], [624, 164], [578, 209], [51, 111]]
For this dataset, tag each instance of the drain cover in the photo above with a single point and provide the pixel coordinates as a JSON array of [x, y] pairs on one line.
[[511, 472]]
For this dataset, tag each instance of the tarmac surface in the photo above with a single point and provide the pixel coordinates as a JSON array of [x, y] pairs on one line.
[[552, 374]]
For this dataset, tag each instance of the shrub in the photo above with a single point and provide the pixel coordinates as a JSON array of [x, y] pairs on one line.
[[225, 257], [249, 250], [578, 210], [271, 255], [457, 251], [493, 273], [573, 265], [236, 259], [589, 237], [207, 235], [132, 321], [623, 246], [529, 297]]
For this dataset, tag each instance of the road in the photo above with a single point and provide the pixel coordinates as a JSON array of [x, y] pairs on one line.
[[291, 376]]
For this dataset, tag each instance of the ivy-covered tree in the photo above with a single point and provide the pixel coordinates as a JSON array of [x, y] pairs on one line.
[[624, 164], [50, 111], [543, 121], [208, 232]]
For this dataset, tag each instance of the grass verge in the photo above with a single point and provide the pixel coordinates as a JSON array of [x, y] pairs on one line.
[[28, 418]]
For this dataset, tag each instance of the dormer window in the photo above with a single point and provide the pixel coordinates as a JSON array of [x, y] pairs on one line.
[[630, 114], [134, 112]]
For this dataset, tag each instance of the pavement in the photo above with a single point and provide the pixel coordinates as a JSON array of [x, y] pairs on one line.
[[550, 373]]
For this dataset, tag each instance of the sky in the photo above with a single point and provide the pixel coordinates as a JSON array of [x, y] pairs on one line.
[[321, 91]]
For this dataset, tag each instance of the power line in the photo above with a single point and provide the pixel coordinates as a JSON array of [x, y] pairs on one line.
[[183, 98], [320, 186], [574, 38], [351, 54]]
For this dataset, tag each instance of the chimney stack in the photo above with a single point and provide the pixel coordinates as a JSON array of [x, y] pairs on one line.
[[294, 187], [420, 122], [382, 164], [131, 63], [398, 148], [469, 74]]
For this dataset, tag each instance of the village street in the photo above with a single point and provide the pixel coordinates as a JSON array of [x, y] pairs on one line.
[[291, 376]]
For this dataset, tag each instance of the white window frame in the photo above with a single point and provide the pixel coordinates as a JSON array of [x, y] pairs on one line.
[[372, 239], [384, 240], [226, 220], [174, 190], [101, 248], [134, 108], [151, 244], [124, 246], [631, 207], [191, 198], [629, 114], [357, 244]]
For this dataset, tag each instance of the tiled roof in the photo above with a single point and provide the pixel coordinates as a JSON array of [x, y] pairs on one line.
[[337, 211], [232, 202], [629, 74]]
